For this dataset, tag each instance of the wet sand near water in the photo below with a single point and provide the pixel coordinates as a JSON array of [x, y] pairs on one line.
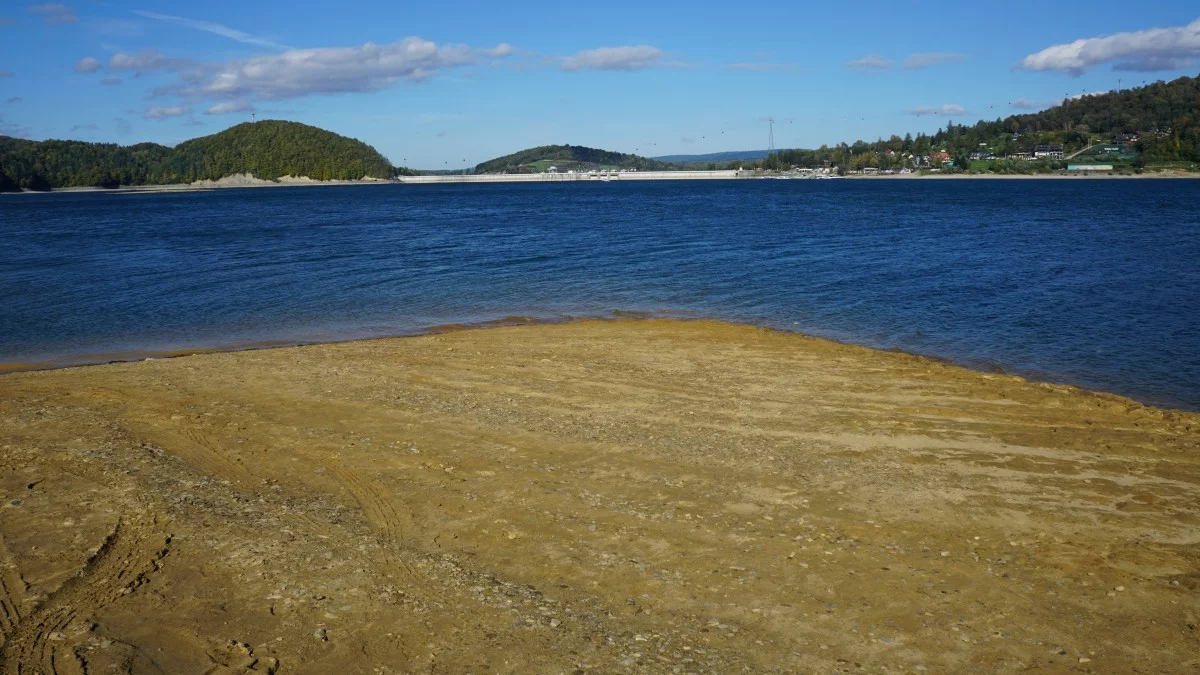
[[601, 496]]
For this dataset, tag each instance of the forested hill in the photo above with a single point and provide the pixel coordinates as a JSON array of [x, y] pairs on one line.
[[269, 150], [567, 158], [1159, 123]]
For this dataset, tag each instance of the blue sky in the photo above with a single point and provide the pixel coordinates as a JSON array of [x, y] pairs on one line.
[[436, 85]]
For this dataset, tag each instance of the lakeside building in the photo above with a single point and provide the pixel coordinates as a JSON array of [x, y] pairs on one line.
[[1048, 151], [1089, 167]]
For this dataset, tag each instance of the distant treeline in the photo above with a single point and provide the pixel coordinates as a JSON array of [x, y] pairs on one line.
[[269, 150], [1164, 116]]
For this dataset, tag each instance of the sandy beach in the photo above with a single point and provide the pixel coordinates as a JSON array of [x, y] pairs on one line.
[[600, 496]]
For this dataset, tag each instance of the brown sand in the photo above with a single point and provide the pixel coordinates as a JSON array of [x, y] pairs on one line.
[[628, 496]]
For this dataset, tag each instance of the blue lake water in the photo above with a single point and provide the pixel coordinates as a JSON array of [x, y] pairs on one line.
[[1089, 282]]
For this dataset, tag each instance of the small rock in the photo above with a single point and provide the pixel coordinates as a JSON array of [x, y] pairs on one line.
[[555, 623], [321, 635], [1084, 659]]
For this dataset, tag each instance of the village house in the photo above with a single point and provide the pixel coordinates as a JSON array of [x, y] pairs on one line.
[[1048, 151]]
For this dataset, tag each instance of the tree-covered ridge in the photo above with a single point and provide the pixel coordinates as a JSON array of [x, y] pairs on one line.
[[1160, 123], [268, 150], [567, 158]]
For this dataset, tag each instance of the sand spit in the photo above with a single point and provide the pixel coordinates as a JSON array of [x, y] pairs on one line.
[[627, 496]]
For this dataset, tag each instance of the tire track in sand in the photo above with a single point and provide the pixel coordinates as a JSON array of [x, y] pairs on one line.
[[392, 525], [12, 592], [40, 642]]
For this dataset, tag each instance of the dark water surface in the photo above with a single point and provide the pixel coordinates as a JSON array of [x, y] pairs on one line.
[[1090, 282]]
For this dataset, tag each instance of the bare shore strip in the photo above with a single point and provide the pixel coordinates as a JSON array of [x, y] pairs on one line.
[[248, 181], [602, 496]]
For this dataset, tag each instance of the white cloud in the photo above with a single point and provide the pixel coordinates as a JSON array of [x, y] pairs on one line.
[[870, 62], [214, 28], [928, 59], [229, 107], [637, 57], [948, 110], [142, 62], [1148, 50], [87, 65], [54, 13], [162, 113], [499, 51], [302, 72], [1084, 94], [1025, 104]]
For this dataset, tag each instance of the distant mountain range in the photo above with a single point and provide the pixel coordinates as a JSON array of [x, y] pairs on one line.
[[730, 156]]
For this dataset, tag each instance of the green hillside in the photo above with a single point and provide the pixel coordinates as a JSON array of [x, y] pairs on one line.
[[1155, 125], [269, 150], [567, 158]]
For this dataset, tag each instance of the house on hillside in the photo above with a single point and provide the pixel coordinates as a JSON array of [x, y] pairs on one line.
[[1126, 138], [940, 157], [1048, 151]]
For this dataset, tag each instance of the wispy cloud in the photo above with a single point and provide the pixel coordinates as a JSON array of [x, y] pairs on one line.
[[227, 107], [87, 65], [124, 128], [499, 51], [211, 27], [84, 127], [1144, 50], [7, 21], [948, 110], [6, 73], [15, 130], [630, 58], [166, 112], [922, 60], [111, 81], [13, 99], [1025, 104], [870, 62], [145, 61], [54, 13]]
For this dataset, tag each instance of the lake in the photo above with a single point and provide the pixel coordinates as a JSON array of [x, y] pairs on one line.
[[1088, 282]]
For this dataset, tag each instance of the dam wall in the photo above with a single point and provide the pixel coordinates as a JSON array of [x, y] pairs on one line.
[[577, 177]]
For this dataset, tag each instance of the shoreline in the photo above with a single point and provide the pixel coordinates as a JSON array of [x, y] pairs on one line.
[[581, 178], [618, 316], [642, 495]]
